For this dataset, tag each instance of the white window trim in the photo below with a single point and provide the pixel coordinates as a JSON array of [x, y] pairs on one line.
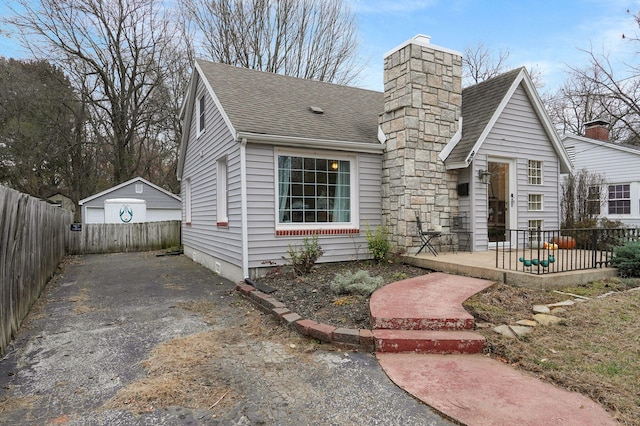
[[222, 216], [541, 203], [187, 200], [354, 190], [630, 199], [200, 110], [541, 173]]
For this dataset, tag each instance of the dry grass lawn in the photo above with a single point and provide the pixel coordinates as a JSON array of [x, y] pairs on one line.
[[595, 351]]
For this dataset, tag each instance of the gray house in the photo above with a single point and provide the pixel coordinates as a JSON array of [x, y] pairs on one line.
[[616, 163], [267, 159], [136, 200]]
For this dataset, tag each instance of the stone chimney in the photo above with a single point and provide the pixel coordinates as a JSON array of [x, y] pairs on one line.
[[597, 129], [423, 98]]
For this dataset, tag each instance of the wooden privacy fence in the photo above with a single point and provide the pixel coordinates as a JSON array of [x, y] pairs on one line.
[[94, 238], [32, 244]]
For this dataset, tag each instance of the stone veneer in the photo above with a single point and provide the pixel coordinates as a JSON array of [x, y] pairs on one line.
[[423, 98]]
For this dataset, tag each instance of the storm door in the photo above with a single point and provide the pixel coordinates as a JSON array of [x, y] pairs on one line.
[[499, 202]]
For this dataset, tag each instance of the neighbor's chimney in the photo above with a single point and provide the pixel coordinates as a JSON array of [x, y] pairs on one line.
[[597, 129]]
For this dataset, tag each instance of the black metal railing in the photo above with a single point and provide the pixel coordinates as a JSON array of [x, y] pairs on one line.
[[552, 251]]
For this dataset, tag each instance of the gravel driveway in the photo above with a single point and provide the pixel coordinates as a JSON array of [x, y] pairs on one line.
[[135, 338]]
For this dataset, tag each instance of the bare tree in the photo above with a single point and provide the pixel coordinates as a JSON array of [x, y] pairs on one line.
[[582, 198], [116, 54], [479, 63], [616, 98], [313, 39]]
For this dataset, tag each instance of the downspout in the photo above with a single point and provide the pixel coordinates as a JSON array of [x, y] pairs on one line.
[[243, 208]]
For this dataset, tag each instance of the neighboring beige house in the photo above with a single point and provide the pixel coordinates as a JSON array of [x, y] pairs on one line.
[[267, 159], [618, 164]]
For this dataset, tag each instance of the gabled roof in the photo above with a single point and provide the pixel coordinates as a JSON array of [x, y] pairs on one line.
[[482, 105], [129, 182], [274, 104], [268, 107], [632, 149]]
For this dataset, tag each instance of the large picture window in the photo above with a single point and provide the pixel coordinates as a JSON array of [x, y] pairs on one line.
[[314, 190], [619, 199]]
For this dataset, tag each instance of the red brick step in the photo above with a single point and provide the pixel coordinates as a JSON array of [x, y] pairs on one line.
[[428, 341]]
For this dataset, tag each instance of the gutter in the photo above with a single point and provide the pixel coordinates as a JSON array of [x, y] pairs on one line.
[[244, 237], [297, 142]]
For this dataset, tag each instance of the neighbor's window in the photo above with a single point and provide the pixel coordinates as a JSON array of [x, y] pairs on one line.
[[593, 201], [221, 201], [314, 190], [139, 188], [619, 199], [201, 116], [535, 202], [535, 172]]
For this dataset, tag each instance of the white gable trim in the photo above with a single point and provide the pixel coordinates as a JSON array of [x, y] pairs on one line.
[[452, 143], [122, 185], [190, 101], [494, 118], [524, 79]]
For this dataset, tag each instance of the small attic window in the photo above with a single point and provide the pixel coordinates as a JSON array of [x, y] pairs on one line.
[[139, 188], [316, 110]]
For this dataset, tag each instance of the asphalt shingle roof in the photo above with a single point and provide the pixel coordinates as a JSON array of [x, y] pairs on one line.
[[274, 104], [479, 103]]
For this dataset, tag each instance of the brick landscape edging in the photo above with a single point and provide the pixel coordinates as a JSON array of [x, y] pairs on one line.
[[345, 338]]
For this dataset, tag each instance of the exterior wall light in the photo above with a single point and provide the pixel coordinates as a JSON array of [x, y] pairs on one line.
[[484, 176]]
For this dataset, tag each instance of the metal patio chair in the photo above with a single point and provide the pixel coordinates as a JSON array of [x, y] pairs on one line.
[[426, 237]]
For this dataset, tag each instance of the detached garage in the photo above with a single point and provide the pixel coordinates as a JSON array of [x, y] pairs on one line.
[[136, 200]]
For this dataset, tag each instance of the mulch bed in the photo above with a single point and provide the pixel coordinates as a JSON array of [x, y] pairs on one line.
[[311, 296]]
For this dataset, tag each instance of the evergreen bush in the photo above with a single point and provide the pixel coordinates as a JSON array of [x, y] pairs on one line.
[[359, 283], [627, 259]]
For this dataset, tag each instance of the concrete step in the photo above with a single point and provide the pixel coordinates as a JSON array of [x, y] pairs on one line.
[[429, 302], [462, 321], [428, 341]]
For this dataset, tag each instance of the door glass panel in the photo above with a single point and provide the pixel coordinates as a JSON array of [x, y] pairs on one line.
[[497, 192]]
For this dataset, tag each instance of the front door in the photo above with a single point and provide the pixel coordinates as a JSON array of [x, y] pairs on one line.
[[499, 199]]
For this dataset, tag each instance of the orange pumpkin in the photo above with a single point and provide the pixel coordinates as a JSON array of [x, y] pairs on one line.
[[564, 242]]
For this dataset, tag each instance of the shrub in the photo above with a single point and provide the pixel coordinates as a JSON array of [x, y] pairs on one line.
[[378, 243], [360, 283], [302, 259], [627, 259]]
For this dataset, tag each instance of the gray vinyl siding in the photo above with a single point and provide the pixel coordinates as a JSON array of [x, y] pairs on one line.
[[155, 199], [266, 247], [200, 166], [615, 165], [518, 135]]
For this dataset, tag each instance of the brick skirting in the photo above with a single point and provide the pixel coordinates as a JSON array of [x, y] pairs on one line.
[[345, 338]]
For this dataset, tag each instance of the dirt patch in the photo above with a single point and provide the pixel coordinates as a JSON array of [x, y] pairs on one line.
[[311, 296], [181, 372], [9, 404], [176, 376]]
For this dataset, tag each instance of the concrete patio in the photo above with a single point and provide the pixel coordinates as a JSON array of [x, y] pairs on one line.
[[483, 265]]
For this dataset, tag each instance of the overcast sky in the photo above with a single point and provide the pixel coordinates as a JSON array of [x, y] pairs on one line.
[[546, 34]]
